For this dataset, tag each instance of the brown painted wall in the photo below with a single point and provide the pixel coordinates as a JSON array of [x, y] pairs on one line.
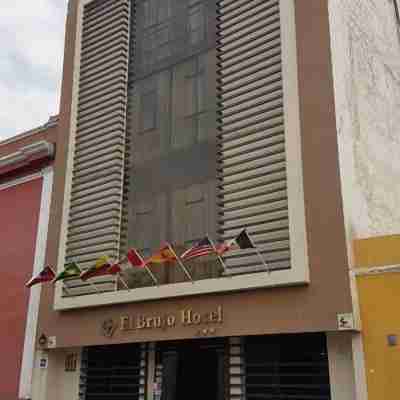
[[296, 309]]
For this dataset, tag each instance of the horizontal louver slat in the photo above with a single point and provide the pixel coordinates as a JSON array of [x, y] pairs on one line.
[[95, 210], [251, 139]]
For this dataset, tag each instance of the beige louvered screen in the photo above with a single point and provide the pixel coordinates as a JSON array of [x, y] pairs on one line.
[[252, 164], [95, 213]]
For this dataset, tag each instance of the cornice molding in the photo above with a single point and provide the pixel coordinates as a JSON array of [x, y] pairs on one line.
[[51, 123], [26, 155]]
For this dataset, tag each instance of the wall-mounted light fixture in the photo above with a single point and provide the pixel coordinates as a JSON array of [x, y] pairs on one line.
[[43, 340]]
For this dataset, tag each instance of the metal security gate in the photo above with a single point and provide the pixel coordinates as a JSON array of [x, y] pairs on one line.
[[285, 367], [115, 372], [192, 370]]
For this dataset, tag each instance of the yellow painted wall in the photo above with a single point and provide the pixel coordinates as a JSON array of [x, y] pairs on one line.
[[380, 315], [377, 251]]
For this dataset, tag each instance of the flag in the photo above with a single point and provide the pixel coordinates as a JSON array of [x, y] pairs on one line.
[[101, 267], [165, 254], [203, 248], [244, 241], [133, 259], [70, 271], [45, 275], [241, 241]]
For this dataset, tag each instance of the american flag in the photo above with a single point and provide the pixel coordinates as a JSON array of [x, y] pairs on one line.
[[202, 248]]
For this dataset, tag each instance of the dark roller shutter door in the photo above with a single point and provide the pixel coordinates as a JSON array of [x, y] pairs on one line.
[[112, 373], [222, 373], [285, 367], [170, 372]]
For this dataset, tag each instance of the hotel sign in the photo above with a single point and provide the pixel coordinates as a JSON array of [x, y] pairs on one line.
[[187, 317]]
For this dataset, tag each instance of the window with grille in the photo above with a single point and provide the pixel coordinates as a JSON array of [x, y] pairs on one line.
[[113, 372], [282, 367]]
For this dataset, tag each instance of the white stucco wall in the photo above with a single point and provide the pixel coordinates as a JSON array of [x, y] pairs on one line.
[[365, 46]]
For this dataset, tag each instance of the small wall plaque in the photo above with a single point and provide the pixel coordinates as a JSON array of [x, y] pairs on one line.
[[71, 361], [43, 362], [345, 322], [51, 342]]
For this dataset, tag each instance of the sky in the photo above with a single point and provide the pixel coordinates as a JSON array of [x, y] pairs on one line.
[[32, 47]]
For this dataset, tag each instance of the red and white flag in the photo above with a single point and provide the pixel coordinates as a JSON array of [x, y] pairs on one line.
[[132, 260], [45, 275]]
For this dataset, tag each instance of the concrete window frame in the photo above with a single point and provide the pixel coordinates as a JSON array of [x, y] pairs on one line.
[[298, 274]]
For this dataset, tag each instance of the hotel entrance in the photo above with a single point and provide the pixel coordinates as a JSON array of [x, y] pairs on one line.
[[291, 366], [178, 370], [192, 369]]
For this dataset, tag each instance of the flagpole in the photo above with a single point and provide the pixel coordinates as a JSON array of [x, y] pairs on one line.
[[147, 268], [262, 260], [52, 270], [66, 288], [258, 253], [151, 274], [180, 263], [120, 277], [217, 254], [123, 281]]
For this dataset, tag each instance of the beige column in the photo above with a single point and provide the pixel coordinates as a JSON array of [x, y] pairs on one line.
[[51, 380], [346, 366], [151, 370]]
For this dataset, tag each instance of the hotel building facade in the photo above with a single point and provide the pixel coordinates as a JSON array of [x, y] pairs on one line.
[[186, 118]]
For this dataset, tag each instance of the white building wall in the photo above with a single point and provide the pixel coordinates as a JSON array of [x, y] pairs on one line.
[[365, 46]]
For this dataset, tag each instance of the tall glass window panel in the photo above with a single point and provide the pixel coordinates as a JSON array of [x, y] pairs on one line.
[[148, 111], [196, 24], [173, 126]]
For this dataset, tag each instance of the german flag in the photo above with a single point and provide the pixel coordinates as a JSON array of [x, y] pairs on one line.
[[165, 254]]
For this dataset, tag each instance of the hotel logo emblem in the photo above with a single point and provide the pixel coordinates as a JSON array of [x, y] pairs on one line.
[[108, 328]]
